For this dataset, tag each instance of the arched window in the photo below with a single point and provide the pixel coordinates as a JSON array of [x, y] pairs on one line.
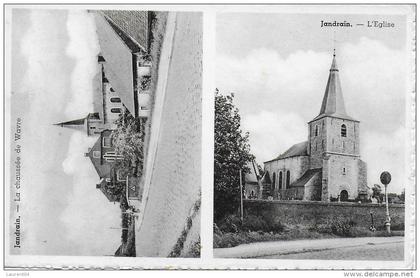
[[115, 110], [273, 184], [343, 130], [287, 179], [115, 99], [316, 130], [280, 180]]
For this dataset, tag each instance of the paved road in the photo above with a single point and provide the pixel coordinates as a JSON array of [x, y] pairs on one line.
[[393, 251], [366, 248]]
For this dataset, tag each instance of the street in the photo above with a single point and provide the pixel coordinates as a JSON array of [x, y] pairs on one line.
[[366, 248]]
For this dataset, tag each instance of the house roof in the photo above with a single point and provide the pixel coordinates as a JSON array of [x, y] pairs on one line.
[[103, 169], [252, 176], [134, 26], [309, 174], [333, 101], [266, 178], [119, 61], [299, 149]]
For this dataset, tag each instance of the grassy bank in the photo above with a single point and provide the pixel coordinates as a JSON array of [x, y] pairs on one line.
[[231, 232]]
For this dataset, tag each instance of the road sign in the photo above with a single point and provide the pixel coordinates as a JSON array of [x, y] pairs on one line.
[[385, 178]]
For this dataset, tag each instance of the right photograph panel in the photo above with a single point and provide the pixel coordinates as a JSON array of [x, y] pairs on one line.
[[312, 135]]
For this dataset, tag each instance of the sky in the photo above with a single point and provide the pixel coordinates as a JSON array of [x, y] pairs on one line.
[[54, 60], [277, 66]]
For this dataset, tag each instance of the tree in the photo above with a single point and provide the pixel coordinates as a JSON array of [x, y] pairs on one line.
[[128, 140], [231, 153]]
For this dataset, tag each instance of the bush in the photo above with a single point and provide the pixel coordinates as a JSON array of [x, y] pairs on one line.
[[230, 224], [254, 223], [342, 227]]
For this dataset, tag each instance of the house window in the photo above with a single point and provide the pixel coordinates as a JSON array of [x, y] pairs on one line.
[[343, 130], [120, 177], [106, 142], [96, 154], [287, 179], [115, 99], [116, 110]]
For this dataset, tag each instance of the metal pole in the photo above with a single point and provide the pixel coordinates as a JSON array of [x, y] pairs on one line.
[[240, 188], [388, 218]]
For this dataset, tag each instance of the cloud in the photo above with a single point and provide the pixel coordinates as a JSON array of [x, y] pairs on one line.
[[83, 47], [271, 133], [278, 95], [62, 210], [38, 100], [89, 216]]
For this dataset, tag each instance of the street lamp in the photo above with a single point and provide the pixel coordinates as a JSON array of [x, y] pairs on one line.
[[385, 180]]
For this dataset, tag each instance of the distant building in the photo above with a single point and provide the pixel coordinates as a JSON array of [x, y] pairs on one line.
[[124, 75], [328, 165], [103, 157], [107, 105], [252, 183], [124, 39]]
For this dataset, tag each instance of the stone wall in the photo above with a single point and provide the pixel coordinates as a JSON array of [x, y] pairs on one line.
[[309, 213]]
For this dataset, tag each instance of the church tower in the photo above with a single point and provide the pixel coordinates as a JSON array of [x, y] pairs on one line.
[[333, 144], [92, 124]]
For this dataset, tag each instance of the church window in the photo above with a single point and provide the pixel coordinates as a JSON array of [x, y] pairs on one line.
[[343, 130], [273, 185], [115, 110], [115, 99], [323, 144], [344, 170], [316, 130], [280, 180], [287, 179]]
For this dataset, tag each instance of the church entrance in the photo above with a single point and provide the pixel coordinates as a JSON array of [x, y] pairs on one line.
[[344, 196]]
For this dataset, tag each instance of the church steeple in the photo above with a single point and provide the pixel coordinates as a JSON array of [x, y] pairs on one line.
[[79, 124], [333, 102]]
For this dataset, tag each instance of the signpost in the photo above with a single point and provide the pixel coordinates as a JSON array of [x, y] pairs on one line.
[[385, 180]]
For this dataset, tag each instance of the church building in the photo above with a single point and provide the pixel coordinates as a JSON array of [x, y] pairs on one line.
[[326, 167]]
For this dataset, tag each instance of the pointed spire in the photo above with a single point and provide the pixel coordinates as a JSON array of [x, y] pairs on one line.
[[333, 102], [79, 124]]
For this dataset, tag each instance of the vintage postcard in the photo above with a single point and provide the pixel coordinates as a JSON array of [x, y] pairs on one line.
[[273, 137], [103, 133], [314, 135]]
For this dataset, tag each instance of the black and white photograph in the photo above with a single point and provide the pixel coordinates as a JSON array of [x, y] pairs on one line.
[[104, 130], [311, 136], [209, 136]]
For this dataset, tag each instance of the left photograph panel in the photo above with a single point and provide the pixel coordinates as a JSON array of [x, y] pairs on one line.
[[102, 132]]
